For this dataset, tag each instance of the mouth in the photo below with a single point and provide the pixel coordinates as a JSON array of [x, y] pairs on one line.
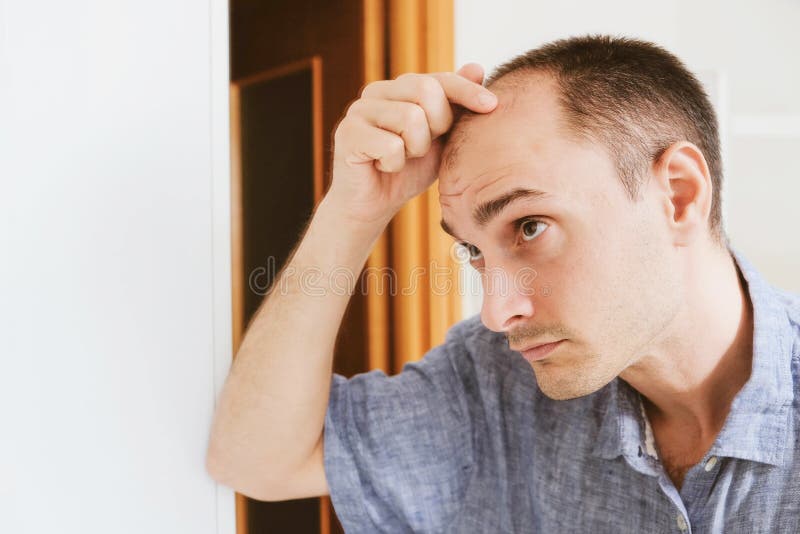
[[538, 352]]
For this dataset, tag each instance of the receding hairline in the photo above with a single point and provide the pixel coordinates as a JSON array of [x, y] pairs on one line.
[[514, 84], [632, 96]]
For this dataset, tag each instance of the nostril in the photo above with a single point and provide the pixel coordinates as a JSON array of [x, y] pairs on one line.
[[512, 321], [503, 312]]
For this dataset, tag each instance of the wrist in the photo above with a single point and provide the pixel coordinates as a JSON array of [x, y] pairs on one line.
[[334, 241], [337, 211]]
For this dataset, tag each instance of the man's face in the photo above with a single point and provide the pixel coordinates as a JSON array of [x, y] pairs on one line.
[[581, 261]]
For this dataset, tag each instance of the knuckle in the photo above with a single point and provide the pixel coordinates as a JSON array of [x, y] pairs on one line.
[[342, 131], [369, 88], [407, 76], [419, 148], [417, 132], [354, 107], [394, 163], [414, 117], [444, 123], [372, 88], [395, 145], [428, 87]]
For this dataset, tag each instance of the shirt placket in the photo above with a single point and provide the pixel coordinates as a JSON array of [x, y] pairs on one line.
[[647, 460], [697, 485]]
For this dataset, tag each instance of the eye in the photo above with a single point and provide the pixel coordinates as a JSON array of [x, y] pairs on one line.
[[473, 252], [531, 228]]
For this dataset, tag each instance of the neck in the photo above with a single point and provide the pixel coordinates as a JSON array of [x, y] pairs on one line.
[[689, 376]]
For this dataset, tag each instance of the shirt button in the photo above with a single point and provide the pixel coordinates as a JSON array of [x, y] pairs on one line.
[[681, 522], [710, 463]]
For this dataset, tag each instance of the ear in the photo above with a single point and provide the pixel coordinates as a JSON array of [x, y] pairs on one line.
[[682, 175]]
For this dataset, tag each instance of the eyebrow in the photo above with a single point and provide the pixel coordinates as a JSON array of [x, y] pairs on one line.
[[446, 228], [486, 211]]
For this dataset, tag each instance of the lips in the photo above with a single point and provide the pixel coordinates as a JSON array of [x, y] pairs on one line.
[[535, 345], [540, 351]]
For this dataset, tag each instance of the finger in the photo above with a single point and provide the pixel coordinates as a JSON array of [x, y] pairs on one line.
[[369, 143], [434, 93], [419, 89], [465, 92], [406, 119], [472, 72]]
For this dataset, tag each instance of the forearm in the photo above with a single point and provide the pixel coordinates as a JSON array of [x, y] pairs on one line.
[[271, 411]]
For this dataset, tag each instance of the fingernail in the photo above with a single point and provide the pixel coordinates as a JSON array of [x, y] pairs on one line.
[[487, 99]]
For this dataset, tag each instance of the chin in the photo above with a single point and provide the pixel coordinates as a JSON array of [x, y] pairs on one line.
[[561, 384]]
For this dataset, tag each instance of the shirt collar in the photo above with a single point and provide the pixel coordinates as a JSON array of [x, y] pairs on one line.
[[623, 429], [758, 425]]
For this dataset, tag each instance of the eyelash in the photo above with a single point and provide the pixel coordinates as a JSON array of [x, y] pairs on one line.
[[518, 224]]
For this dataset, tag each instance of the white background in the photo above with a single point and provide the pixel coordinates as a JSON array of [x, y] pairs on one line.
[[114, 275], [746, 50]]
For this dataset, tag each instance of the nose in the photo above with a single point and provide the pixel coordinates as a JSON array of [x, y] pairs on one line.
[[504, 305]]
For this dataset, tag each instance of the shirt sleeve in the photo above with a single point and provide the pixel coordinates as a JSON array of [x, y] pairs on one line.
[[398, 449]]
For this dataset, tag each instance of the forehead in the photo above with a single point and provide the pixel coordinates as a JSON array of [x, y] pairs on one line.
[[523, 142], [524, 127]]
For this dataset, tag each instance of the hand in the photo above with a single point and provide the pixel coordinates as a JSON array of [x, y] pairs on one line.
[[387, 147]]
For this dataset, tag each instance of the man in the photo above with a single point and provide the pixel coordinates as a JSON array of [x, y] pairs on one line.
[[664, 367]]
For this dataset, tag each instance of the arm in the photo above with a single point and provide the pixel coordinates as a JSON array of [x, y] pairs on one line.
[[266, 437], [282, 372]]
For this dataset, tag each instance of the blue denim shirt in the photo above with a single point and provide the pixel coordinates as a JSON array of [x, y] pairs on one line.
[[464, 441]]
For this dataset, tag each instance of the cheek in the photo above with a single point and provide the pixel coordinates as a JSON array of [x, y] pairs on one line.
[[603, 280], [596, 288], [640, 297]]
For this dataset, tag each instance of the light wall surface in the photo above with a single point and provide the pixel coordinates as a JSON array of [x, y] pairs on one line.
[[115, 320]]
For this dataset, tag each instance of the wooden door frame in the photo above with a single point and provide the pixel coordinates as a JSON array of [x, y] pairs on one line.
[[238, 282], [421, 39], [426, 46]]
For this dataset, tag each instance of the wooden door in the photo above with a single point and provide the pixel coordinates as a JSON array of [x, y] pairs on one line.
[[295, 67]]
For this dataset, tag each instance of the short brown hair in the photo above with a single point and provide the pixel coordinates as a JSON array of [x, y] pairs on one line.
[[632, 96]]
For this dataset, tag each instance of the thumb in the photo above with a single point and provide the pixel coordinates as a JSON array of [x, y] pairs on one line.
[[471, 71]]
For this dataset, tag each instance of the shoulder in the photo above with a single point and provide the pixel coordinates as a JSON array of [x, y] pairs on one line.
[[789, 303]]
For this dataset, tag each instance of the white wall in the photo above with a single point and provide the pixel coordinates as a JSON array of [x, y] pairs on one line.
[[748, 49], [114, 275]]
